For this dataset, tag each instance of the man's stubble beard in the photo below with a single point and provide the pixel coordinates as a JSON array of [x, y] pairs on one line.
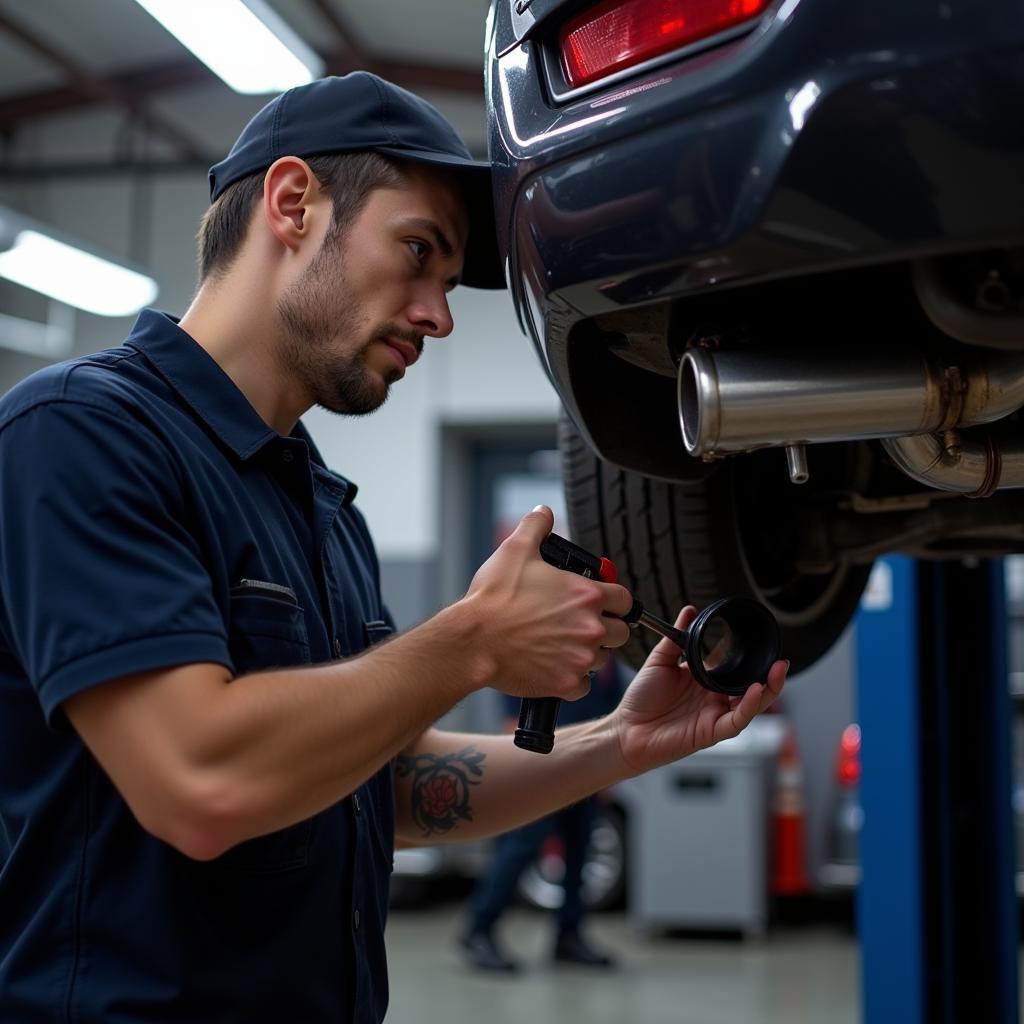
[[313, 323]]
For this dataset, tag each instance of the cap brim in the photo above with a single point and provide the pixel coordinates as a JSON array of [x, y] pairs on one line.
[[482, 265]]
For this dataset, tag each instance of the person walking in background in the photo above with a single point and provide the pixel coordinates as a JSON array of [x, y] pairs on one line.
[[515, 851]]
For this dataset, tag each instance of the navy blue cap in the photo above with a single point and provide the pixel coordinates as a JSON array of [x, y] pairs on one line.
[[359, 112]]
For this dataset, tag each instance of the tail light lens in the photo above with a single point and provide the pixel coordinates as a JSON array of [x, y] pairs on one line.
[[848, 760], [618, 34]]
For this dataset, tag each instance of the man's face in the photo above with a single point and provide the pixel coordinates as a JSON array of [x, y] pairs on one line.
[[356, 318]]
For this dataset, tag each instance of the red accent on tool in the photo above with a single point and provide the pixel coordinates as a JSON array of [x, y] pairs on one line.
[[607, 571]]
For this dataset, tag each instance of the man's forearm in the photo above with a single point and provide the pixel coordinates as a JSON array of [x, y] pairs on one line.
[[455, 786], [234, 758], [205, 761], [367, 710]]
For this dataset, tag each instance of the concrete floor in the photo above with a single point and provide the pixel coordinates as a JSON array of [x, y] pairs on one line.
[[797, 975]]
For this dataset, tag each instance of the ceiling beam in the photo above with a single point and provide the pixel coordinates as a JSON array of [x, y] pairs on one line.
[[140, 82], [346, 40], [350, 55], [185, 73], [128, 88], [101, 89], [92, 170]]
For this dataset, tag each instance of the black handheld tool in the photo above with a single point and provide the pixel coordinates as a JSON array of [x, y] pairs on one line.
[[730, 644]]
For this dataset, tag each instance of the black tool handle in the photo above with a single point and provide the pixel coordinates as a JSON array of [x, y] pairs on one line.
[[563, 554], [538, 715], [537, 718]]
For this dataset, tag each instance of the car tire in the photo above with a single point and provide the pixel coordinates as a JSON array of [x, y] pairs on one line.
[[604, 871], [728, 534]]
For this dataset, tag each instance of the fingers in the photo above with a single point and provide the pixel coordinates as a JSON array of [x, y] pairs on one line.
[[535, 526], [581, 690], [775, 681], [685, 617], [767, 692], [616, 632], [758, 697], [616, 599]]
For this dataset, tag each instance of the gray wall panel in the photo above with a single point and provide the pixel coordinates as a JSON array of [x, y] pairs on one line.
[[410, 588]]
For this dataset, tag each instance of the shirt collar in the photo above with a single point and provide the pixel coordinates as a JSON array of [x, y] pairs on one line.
[[214, 397]]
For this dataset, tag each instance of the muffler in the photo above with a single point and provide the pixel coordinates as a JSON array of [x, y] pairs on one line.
[[735, 401], [739, 401]]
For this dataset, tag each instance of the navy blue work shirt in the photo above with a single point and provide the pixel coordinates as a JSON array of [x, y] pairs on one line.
[[148, 518]]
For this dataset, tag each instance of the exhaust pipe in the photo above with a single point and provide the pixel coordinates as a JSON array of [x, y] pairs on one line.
[[976, 469], [740, 401]]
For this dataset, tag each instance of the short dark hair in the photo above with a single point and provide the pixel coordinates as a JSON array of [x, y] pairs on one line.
[[349, 178]]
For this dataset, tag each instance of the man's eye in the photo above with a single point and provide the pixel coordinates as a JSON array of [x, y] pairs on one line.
[[419, 249]]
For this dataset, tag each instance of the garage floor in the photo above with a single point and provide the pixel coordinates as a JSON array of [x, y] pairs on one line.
[[799, 975]]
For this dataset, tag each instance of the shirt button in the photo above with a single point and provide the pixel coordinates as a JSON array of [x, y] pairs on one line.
[[356, 802], [337, 647], [287, 456], [355, 919]]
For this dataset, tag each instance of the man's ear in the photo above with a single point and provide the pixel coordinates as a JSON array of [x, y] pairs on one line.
[[290, 191]]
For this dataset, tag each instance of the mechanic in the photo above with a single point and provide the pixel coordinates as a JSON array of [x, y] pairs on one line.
[[205, 758]]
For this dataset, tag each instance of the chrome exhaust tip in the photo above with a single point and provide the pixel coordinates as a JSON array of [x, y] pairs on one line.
[[699, 405]]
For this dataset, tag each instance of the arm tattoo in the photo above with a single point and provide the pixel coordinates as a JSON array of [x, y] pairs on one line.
[[440, 787]]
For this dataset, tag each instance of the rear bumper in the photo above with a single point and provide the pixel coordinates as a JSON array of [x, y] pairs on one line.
[[831, 136]]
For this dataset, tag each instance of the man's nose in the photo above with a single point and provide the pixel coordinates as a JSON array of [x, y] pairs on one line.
[[431, 315]]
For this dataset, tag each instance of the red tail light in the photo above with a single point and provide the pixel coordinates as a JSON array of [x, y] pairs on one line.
[[618, 34], [848, 761]]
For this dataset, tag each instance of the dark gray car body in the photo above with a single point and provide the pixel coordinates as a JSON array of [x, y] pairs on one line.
[[826, 136], [795, 185]]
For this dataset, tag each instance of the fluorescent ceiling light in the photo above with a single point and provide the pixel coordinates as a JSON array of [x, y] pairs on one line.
[[74, 276], [244, 42]]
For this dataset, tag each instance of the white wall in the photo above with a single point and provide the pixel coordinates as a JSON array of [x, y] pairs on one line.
[[486, 372]]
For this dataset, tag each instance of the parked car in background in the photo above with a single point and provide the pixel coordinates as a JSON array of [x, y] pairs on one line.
[[771, 255], [419, 871], [840, 867], [604, 872], [840, 870]]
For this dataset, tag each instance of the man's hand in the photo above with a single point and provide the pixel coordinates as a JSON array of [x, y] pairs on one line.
[[545, 628], [666, 714]]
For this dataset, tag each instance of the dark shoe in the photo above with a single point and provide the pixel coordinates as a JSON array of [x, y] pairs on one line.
[[572, 948], [483, 953]]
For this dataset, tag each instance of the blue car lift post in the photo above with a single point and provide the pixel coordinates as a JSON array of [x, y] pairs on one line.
[[937, 907]]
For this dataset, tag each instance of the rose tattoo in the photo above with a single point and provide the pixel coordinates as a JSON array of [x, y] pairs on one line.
[[440, 787]]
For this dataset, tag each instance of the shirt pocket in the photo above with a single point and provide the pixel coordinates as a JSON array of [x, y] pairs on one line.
[[376, 630], [267, 629]]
